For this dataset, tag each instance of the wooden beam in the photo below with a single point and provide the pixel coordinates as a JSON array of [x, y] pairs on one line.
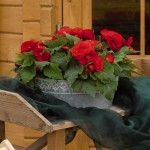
[[2, 130]]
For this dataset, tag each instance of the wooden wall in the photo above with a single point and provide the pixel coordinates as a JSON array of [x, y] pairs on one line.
[[17, 25], [77, 13], [22, 20]]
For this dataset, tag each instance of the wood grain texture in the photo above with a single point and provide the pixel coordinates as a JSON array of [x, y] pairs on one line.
[[87, 14], [2, 130], [15, 134], [25, 115], [81, 142], [47, 2], [31, 30], [6, 145], [56, 140], [31, 7], [8, 51], [5, 69], [11, 2], [11, 19], [72, 13], [47, 21], [146, 66]]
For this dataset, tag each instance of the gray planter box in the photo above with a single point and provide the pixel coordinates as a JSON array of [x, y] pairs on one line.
[[62, 91]]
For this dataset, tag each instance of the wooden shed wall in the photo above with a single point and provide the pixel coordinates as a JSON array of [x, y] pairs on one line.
[[22, 20]]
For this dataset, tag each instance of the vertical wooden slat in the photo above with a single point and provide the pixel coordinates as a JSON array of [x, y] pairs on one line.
[[80, 142], [15, 134], [87, 14], [58, 14], [31, 19], [56, 140], [2, 131], [31, 30], [72, 13], [142, 27], [31, 10]]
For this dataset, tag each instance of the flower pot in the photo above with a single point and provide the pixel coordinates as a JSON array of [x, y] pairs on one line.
[[62, 91]]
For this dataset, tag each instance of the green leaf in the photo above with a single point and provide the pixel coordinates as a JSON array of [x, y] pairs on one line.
[[73, 71], [53, 71], [60, 58], [89, 88], [28, 61], [56, 43], [21, 56], [84, 86], [105, 45], [117, 69], [84, 75], [42, 64], [19, 62], [108, 90], [107, 75], [72, 38], [121, 54], [27, 74]]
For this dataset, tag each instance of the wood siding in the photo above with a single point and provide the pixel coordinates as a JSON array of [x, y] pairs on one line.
[[17, 25]]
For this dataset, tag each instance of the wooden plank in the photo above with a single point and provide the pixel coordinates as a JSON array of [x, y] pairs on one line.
[[38, 144], [56, 140], [31, 7], [32, 134], [5, 69], [146, 66], [72, 13], [26, 115], [31, 30], [58, 125], [87, 14], [8, 51], [80, 142], [47, 2], [47, 21], [58, 14], [29, 141], [15, 134], [6, 144], [2, 130], [8, 2], [11, 19], [142, 27]]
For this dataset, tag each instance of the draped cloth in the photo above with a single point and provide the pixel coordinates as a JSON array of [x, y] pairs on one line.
[[103, 126]]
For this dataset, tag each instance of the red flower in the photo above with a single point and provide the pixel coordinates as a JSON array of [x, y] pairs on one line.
[[98, 64], [93, 42], [114, 39], [110, 58], [38, 48], [39, 52], [129, 42], [83, 51], [91, 67], [87, 34], [65, 48], [63, 30], [28, 46], [77, 32]]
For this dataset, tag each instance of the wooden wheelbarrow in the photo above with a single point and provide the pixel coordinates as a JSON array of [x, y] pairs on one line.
[[15, 109]]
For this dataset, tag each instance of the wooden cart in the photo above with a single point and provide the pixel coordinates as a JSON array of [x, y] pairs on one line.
[[15, 109]]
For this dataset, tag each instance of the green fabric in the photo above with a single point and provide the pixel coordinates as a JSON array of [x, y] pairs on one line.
[[103, 126]]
